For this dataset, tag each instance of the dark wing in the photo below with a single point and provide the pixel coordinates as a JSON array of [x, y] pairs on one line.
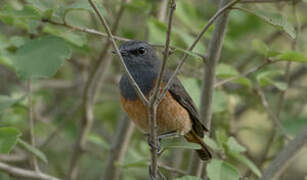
[[180, 95]]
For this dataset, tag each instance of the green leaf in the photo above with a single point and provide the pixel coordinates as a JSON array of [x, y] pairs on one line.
[[234, 146], [221, 170], [211, 143], [96, 139], [6, 102], [188, 178], [75, 38], [41, 57], [178, 143], [139, 163], [274, 19], [225, 71], [157, 31], [84, 6], [28, 12], [292, 56], [193, 88], [261, 47], [8, 139], [293, 124], [247, 162], [266, 78], [33, 150], [219, 101]]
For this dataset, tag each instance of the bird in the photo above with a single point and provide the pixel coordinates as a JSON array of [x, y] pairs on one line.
[[176, 113]]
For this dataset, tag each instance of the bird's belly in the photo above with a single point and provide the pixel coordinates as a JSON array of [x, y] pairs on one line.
[[171, 116]]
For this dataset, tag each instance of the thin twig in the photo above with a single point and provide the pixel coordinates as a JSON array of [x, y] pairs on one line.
[[206, 27], [15, 171], [285, 157], [273, 116], [252, 70], [153, 103], [171, 169], [86, 30], [110, 36], [31, 126]]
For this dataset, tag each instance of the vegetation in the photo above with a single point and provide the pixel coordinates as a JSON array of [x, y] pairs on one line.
[[243, 63]]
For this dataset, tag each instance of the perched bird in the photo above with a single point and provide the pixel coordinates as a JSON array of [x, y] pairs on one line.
[[175, 113]]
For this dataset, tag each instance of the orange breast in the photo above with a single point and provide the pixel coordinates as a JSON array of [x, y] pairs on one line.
[[171, 116]]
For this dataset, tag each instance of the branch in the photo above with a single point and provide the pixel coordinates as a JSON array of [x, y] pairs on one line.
[[206, 27], [252, 70], [274, 117], [86, 30], [124, 131], [284, 158], [33, 159], [15, 171], [153, 103], [214, 52]]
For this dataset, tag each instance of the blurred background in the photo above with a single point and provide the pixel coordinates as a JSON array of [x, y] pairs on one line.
[[243, 131]]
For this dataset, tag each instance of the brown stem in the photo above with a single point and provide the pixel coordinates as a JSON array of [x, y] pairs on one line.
[[214, 52], [31, 126], [119, 146], [285, 157], [24, 173]]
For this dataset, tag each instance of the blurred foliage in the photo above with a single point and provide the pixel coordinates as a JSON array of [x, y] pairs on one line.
[[58, 60]]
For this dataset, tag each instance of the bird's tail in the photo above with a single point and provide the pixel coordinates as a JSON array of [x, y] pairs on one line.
[[203, 153]]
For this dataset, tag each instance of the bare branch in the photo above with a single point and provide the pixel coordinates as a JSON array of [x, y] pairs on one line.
[[15, 171], [252, 70], [31, 126], [264, 1], [86, 30], [124, 131], [285, 157], [153, 103], [267, 107]]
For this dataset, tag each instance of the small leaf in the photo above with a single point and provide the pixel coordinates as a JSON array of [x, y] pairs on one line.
[[140, 163], [6, 101], [219, 101], [8, 139], [247, 162], [234, 146], [221, 170], [261, 47], [193, 88], [95, 139], [33, 150], [292, 56], [188, 178], [211, 143], [266, 78], [225, 71], [274, 19], [178, 143], [41, 57]]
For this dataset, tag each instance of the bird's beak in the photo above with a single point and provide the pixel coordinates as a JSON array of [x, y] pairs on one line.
[[122, 52]]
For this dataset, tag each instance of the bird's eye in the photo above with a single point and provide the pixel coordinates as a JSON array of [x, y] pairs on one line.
[[141, 50]]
